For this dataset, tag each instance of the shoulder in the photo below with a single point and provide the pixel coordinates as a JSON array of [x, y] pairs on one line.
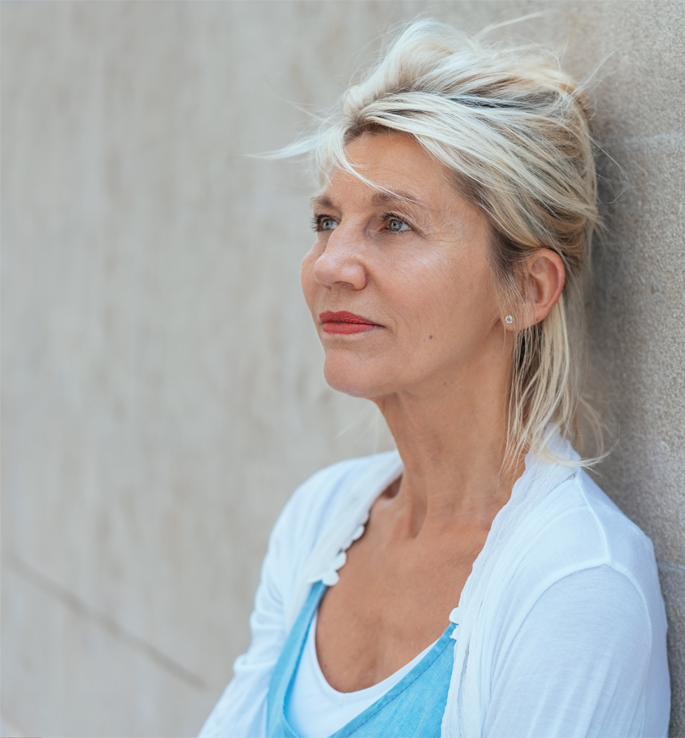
[[569, 637], [579, 579], [318, 501], [577, 530], [316, 498], [590, 529]]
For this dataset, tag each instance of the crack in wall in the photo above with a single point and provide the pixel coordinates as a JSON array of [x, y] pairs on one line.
[[67, 598]]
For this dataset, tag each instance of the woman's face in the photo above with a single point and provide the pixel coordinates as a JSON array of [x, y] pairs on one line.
[[399, 284]]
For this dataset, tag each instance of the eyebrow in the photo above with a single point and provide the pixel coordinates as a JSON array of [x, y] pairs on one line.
[[322, 201], [378, 198], [384, 198]]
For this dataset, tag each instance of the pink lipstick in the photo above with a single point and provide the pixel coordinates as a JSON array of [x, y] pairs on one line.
[[344, 323]]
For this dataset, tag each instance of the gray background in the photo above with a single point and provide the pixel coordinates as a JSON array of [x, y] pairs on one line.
[[162, 389]]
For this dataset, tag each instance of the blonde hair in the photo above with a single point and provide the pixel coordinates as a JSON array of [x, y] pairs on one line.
[[514, 131]]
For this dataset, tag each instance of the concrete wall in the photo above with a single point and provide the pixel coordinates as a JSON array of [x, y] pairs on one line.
[[162, 387]]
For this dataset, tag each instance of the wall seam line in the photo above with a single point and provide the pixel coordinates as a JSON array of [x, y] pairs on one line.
[[71, 601]]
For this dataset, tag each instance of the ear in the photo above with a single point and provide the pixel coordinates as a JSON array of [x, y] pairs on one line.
[[544, 277]]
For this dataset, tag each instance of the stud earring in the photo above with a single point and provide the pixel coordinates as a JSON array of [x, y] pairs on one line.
[[509, 319]]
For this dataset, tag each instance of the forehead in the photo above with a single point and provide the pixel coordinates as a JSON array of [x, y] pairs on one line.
[[395, 167]]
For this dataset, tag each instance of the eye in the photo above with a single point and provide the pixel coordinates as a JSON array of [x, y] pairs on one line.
[[396, 225], [324, 223]]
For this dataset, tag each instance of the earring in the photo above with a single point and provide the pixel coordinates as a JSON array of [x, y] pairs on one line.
[[509, 319]]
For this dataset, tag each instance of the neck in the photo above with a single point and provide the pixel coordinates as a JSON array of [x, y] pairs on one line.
[[452, 444]]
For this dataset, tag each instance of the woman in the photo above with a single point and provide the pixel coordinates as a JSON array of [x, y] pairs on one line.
[[476, 581]]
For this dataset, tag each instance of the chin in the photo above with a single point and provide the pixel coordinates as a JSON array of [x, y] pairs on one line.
[[355, 377]]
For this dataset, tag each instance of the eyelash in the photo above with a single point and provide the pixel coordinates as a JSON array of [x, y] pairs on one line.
[[391, 216], [386, 217], [316, 222]]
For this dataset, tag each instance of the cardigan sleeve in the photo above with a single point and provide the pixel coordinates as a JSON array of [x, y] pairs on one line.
[[578, 664], [241, 709]]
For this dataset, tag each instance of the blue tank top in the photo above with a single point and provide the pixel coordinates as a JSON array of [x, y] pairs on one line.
[[413, 708]]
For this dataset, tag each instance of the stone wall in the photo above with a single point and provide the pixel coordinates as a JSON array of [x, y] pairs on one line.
[[162, 390]]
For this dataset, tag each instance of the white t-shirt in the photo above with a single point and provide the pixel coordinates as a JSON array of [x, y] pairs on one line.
[[562, 629], [315, 709]]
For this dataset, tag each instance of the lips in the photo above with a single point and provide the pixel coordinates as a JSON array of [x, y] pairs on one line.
[[344, 323]]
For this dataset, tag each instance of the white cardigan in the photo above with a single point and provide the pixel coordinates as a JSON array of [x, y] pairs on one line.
[[562, 630]]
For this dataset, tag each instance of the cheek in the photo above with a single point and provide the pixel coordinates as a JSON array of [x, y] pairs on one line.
[[431, 286], [460, 299]]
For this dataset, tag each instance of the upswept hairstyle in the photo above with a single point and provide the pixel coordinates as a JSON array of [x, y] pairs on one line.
[[514, 131]]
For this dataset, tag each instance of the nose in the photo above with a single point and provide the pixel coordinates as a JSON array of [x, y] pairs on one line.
[[341, 263]]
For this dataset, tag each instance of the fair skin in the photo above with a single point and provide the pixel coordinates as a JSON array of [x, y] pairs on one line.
[[435, 360]]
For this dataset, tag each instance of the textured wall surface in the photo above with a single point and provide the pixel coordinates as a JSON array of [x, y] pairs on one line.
[[162, 389]]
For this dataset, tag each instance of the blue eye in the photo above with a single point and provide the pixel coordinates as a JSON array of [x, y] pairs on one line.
[[397, 226], [324, 223]]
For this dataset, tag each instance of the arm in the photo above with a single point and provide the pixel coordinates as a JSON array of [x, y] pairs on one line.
[[241, 709], [579, 663]]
